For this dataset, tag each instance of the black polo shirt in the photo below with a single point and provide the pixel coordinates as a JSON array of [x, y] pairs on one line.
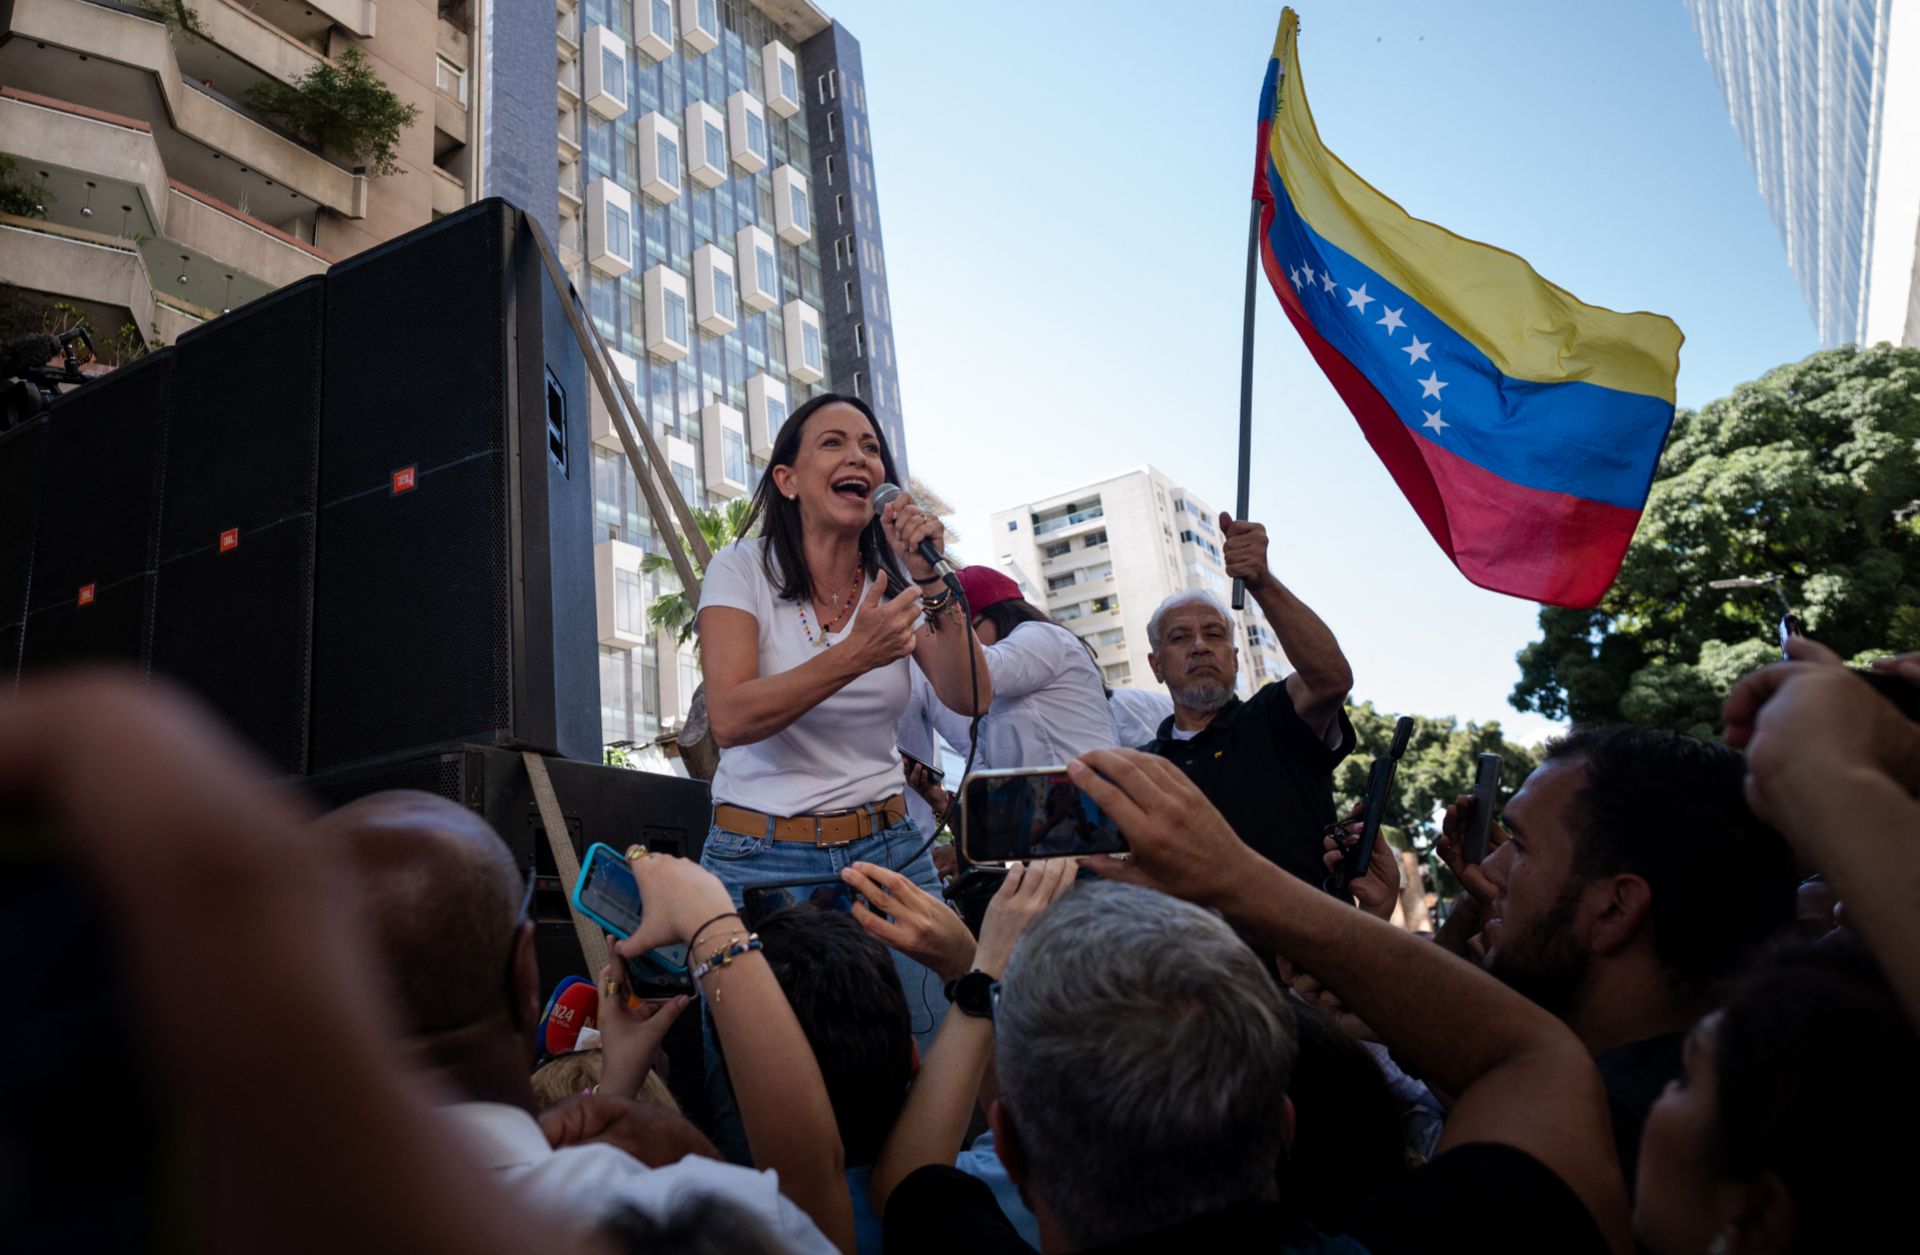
[[1265, 770]]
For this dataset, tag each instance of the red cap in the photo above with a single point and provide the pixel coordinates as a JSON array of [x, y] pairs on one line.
[[985, 587]]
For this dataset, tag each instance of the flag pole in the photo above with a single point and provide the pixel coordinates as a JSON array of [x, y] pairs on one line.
[[1246, 386]]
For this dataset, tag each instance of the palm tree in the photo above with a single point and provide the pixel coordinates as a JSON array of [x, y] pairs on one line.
[[674, 611]]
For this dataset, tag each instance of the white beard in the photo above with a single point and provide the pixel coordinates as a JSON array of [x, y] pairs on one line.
[[1201, 696]]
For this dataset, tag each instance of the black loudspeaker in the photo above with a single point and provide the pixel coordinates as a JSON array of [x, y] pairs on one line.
[[454, 579], [21, 451], [96, 537], [233, 616]]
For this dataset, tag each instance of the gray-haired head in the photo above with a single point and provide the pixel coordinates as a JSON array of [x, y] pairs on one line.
[[1144, 1055], [1189, 597]]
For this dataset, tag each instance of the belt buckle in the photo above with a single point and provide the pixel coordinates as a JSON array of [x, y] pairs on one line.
[[819, 829]]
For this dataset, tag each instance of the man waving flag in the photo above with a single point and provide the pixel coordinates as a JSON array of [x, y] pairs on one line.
[[1522, 424]]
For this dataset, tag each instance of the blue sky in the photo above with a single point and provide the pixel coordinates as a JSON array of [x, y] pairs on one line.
[[1064, 187]]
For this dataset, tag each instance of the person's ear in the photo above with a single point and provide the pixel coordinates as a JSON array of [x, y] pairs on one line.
[[1006, 1143], [1619, 907], [785, 480], [523, 999], [1153, 660]]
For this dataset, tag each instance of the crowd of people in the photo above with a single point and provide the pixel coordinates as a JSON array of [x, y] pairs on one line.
[[1674, 1006]]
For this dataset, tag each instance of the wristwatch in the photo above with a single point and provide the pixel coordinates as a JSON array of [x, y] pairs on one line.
[[973, 994]]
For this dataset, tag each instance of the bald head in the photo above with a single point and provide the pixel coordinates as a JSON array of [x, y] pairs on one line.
[[438, 892]]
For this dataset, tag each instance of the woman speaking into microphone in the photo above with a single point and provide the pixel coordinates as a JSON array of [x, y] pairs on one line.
[[808, 633]]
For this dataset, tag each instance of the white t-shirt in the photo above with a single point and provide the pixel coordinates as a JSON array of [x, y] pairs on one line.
[[838, 755], [590, 1182], [1048, 704]]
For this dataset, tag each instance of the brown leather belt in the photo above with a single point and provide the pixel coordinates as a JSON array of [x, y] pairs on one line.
[[825, 829]]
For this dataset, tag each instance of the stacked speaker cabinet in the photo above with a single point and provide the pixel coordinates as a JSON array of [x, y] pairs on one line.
[[355, 515], [96, 536], [454, 591], [233, 604]]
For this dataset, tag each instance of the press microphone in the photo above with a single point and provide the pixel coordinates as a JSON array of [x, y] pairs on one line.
[[574, 1006], [880, 499]]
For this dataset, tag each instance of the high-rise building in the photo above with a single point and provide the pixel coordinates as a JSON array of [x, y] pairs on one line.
[[718, 214], [1825, 96], [152, 195], [1100, 558]]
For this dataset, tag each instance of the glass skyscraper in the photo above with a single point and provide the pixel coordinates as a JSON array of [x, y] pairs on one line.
[[719, 218], [1806, 82]]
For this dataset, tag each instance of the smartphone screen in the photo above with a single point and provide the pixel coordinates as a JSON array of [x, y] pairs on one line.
[[761, 901], [610, 892], [1034, 814]]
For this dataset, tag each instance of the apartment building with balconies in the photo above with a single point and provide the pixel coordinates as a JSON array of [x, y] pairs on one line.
[[1099, 558], [705, 163], [163, 197]]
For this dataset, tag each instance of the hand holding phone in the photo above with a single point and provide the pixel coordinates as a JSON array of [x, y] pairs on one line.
[[1022, 813], [608, 894], [1379, 791], [1486, 796]]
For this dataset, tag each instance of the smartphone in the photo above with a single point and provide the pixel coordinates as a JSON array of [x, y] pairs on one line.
[[760, 901], [1021, 813], [1486, 796], [607, 894], [938, 775]]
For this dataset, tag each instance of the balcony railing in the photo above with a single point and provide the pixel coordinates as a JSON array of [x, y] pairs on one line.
[[1049, 526]]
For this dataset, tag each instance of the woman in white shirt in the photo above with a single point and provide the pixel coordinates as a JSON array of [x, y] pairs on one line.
[[1049, 704], [806, 633]]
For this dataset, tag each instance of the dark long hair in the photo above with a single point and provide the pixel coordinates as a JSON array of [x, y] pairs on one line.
[[784, 559]]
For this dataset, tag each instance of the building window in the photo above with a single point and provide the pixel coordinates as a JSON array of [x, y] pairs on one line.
[[849, 288], [1095, 538], [450, 79], [829, 86], [829, 169], [831, 137], [768, 269], [716, 147], [859, 337], [859, 385], [789, 81], [757, 135], [663, 19], [619, 233], [1057, 551], [1013, 525], [734, 445], [1118, 673], [613, 73], [669, 155], [676, 317], [1057, 582], [839, 211], [723, 292], [799, 203], [776, 415], [810, 338], [629, 604], [710, 17]]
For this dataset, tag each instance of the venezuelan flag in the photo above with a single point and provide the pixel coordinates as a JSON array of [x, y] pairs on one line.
[[1522, 424]]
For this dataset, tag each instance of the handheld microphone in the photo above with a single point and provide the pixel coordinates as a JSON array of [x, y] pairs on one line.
[[1379, 786], [882, 497], [574, 1006]]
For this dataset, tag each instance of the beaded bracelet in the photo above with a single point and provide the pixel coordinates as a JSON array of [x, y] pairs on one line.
[[726, 955]]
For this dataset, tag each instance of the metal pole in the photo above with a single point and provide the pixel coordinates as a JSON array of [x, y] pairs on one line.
[[1246, 385]]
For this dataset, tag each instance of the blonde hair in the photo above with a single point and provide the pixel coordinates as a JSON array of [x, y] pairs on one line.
[[562, 1077]]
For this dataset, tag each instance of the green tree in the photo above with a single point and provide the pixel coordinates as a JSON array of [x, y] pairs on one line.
[[673, 611], [1810, 475], [1439, 765], [22, 196], [341, 106]]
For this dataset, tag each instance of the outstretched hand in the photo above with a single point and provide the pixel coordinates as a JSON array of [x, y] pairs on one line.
[[1029, 889], [910, 920], [1377, 889], [1180, 844]]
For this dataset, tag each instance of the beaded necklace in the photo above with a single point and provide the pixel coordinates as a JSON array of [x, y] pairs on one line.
[[828, 626]]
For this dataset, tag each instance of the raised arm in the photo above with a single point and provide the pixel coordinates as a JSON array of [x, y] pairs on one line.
[[1521, 1077], [776, 1080], [933, 1125], [946, 651], [1321, 678], [744, 706]]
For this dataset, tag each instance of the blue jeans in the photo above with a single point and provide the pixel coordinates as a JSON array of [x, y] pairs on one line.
[[742, 861]]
